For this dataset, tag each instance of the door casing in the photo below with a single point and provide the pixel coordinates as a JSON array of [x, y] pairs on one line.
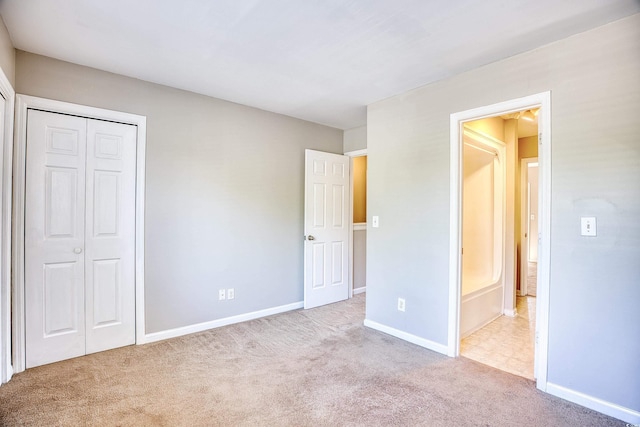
[[23, 103], [6, 172], [351, 155], [543, 101]]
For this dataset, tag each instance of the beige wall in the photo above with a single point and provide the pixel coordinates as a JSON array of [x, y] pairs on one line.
[[595, 105], [224, 191], [527, 147], [7, 54], [493, 126], [360, 189]]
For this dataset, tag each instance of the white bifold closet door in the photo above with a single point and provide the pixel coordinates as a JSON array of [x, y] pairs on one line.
[[79, 236]]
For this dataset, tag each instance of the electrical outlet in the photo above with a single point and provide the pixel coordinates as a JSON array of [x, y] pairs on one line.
[[231, 293], [221, 294], [401, 304]]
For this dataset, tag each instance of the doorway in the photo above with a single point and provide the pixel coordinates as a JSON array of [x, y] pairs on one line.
[[358, 221], [493, 331], [541, 104]]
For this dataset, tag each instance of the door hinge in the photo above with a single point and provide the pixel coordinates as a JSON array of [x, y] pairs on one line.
[[540, 138]]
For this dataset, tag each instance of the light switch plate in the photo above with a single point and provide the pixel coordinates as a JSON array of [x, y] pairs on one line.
[[588, 226], [376, 221]]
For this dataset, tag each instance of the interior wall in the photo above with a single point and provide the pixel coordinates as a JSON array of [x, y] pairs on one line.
[[492, 126], [527, 147], [359, 259], [7, 54], [355, 139], [512, 219], [224, 191], [360, 189], [595, 169]]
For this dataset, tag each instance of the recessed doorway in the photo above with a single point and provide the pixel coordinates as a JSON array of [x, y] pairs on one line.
[[493, 331], [480, 310]]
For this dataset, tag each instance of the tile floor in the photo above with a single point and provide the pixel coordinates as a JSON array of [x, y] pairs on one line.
[[532, 279], [507, 343]]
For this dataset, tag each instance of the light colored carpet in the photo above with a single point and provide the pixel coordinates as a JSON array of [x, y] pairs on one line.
[[319, 367]]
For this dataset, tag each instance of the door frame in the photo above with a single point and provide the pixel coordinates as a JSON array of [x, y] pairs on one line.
[[352, 226], [23, 104], [6, 173], [543, 101], [524, 222]]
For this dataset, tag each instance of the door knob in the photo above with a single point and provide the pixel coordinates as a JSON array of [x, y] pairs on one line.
[[310, 237], [77, 250]]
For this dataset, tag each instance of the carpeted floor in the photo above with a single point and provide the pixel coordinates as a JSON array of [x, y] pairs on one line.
[[319, 367]]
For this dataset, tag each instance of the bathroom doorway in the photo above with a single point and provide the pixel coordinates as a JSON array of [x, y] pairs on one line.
[[493, 330]]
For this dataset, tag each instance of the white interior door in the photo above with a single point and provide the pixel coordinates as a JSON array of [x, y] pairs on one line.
[[54, 237], [326, 251], [79, 239], [110, 238]]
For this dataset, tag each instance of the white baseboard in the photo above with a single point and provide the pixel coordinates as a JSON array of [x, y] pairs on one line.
[[199, 327], [422, 342], [627, 415], [360, 290]]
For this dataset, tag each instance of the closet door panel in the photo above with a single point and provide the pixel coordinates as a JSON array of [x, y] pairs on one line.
[[54, 237], [110, 237]]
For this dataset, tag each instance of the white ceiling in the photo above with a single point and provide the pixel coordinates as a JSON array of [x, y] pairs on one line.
[[318, 60]]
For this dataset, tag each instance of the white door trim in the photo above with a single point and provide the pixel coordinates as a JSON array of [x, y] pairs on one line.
[[6, 366], [23, 103], [542, 100], [352, 154]]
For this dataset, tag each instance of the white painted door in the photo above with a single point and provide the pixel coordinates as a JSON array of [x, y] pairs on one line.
[[79, 236], [110, 237], [326, 225]]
